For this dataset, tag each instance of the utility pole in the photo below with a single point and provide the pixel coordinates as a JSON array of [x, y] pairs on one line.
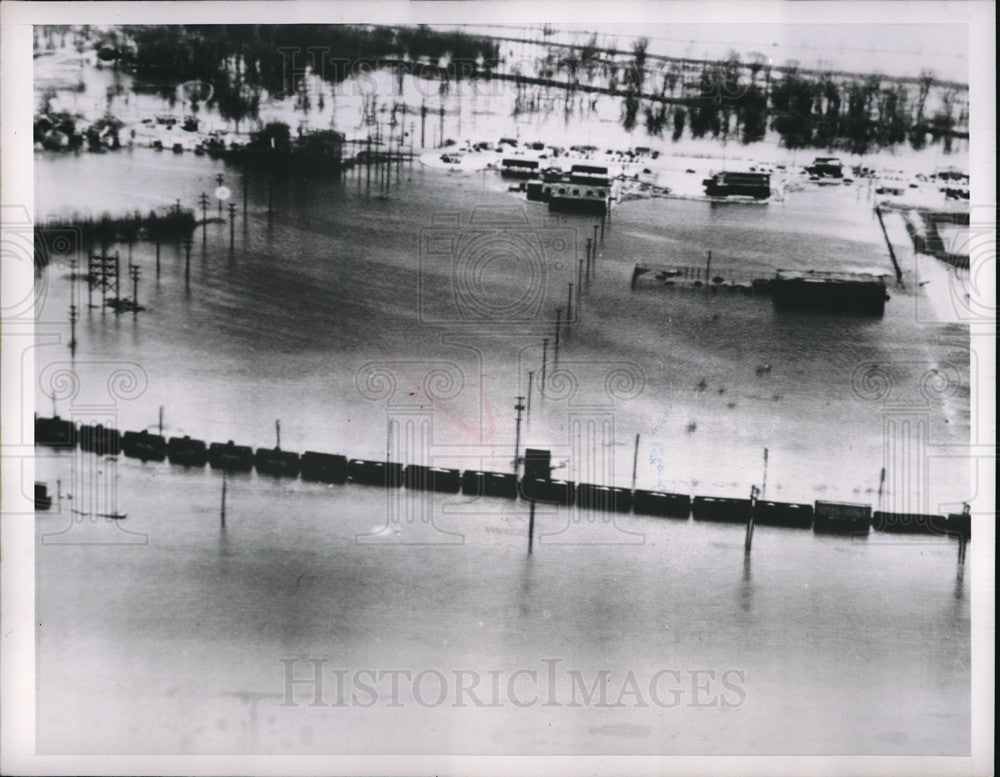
[[218, 180], [763, 485], [203, 201], [222, 508], [531, 526], [72, 329], [134, 272], [635, 461], [545, 352], [531, 378], [423, 121], [519, 407], [754, 493]]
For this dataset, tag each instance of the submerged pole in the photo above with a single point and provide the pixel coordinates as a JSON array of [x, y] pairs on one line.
[[763, 485], [222, 508], [753, 509], [545, 353], [531, 526], [519, 407], [635, 461]]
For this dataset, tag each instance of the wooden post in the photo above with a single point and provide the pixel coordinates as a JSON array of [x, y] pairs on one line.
[[203, 201], [160, 425], [277, 435], [72, 329], [134, 272], [708, 269], [753, 509], [595, 240], [531, 378], [763, 485], [222, 509], [569, 306], [579, 285], [545, 352], [635, 461], [588, 262], [519, 407], [531, 526], [232, 225]]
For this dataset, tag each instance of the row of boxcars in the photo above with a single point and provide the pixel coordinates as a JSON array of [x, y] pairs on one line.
[[536, 484]]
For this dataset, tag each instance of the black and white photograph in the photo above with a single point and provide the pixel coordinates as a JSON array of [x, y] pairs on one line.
[[460, 388]]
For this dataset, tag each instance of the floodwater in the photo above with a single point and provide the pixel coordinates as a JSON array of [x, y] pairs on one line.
[[410, 322]]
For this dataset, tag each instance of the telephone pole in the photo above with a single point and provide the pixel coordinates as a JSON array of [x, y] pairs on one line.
[[203, 201], [519, 407], [218, 180], [134, 272]]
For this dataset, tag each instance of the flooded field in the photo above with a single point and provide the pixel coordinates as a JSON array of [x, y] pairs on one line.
[[331, 313]]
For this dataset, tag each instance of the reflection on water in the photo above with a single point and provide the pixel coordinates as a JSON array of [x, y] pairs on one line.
[[746, 588]]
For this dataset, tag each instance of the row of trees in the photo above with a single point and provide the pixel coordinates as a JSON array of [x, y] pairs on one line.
[[732, 99], [241, 60]]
